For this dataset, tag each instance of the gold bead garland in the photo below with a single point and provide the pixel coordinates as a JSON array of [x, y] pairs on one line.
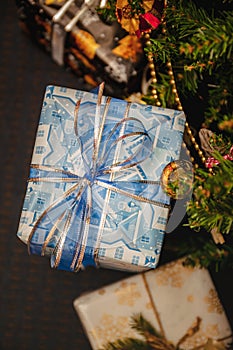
[[152, 71], [155, 96], [180, 108]]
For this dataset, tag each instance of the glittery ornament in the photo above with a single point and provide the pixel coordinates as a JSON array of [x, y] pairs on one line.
[[177, 179], [140, 19]]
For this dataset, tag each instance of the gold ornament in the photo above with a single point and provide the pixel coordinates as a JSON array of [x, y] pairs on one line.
[[177, 179], [136, 22]]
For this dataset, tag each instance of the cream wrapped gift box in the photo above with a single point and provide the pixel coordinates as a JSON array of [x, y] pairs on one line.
[[172, 298]]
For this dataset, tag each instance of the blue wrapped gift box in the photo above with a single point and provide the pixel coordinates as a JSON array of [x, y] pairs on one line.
[[94, 194]]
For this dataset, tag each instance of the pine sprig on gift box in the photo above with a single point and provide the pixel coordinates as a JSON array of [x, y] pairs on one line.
[[154, 340], [142, 326], [153, 337], [127, 344]]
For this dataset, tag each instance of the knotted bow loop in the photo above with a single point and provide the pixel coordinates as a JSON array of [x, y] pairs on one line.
[[90, 151], [110, 140], [128, 133], [49, 174]]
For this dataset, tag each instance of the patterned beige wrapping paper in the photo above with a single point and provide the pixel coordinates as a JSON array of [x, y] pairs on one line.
[[171, 297]]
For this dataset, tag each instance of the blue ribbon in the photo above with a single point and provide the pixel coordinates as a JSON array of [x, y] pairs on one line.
[[67, 220]]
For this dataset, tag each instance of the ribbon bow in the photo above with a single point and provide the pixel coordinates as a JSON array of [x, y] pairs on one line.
[[70, 221], [141, 19]]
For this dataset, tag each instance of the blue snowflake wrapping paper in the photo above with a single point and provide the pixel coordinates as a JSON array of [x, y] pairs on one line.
[[94, 195]]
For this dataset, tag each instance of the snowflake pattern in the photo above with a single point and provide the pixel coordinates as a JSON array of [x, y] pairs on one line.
[[127, 293], [213, 302], [172, 274], [190, 298], [101, 291], [111, 328]]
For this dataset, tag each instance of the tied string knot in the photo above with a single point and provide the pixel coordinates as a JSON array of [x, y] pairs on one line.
[[158, 340], [65, 227]]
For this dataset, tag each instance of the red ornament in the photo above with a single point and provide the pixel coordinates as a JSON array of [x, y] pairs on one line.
[[136, 23]]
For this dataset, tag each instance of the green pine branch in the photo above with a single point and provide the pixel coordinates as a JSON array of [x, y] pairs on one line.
[[152, 338], [199, 44], [212, 204], [198, 249], [108, 13], [212, 43], [127, 344], [211, 208], [219, 113], [201, 36], [142, 326]]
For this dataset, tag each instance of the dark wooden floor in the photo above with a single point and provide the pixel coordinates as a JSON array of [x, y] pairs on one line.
[[36, 301]]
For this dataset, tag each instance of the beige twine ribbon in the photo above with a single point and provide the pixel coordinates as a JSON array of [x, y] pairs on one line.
[[162, 343]]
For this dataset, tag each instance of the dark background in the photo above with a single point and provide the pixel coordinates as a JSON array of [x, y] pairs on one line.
[[37, 302]]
